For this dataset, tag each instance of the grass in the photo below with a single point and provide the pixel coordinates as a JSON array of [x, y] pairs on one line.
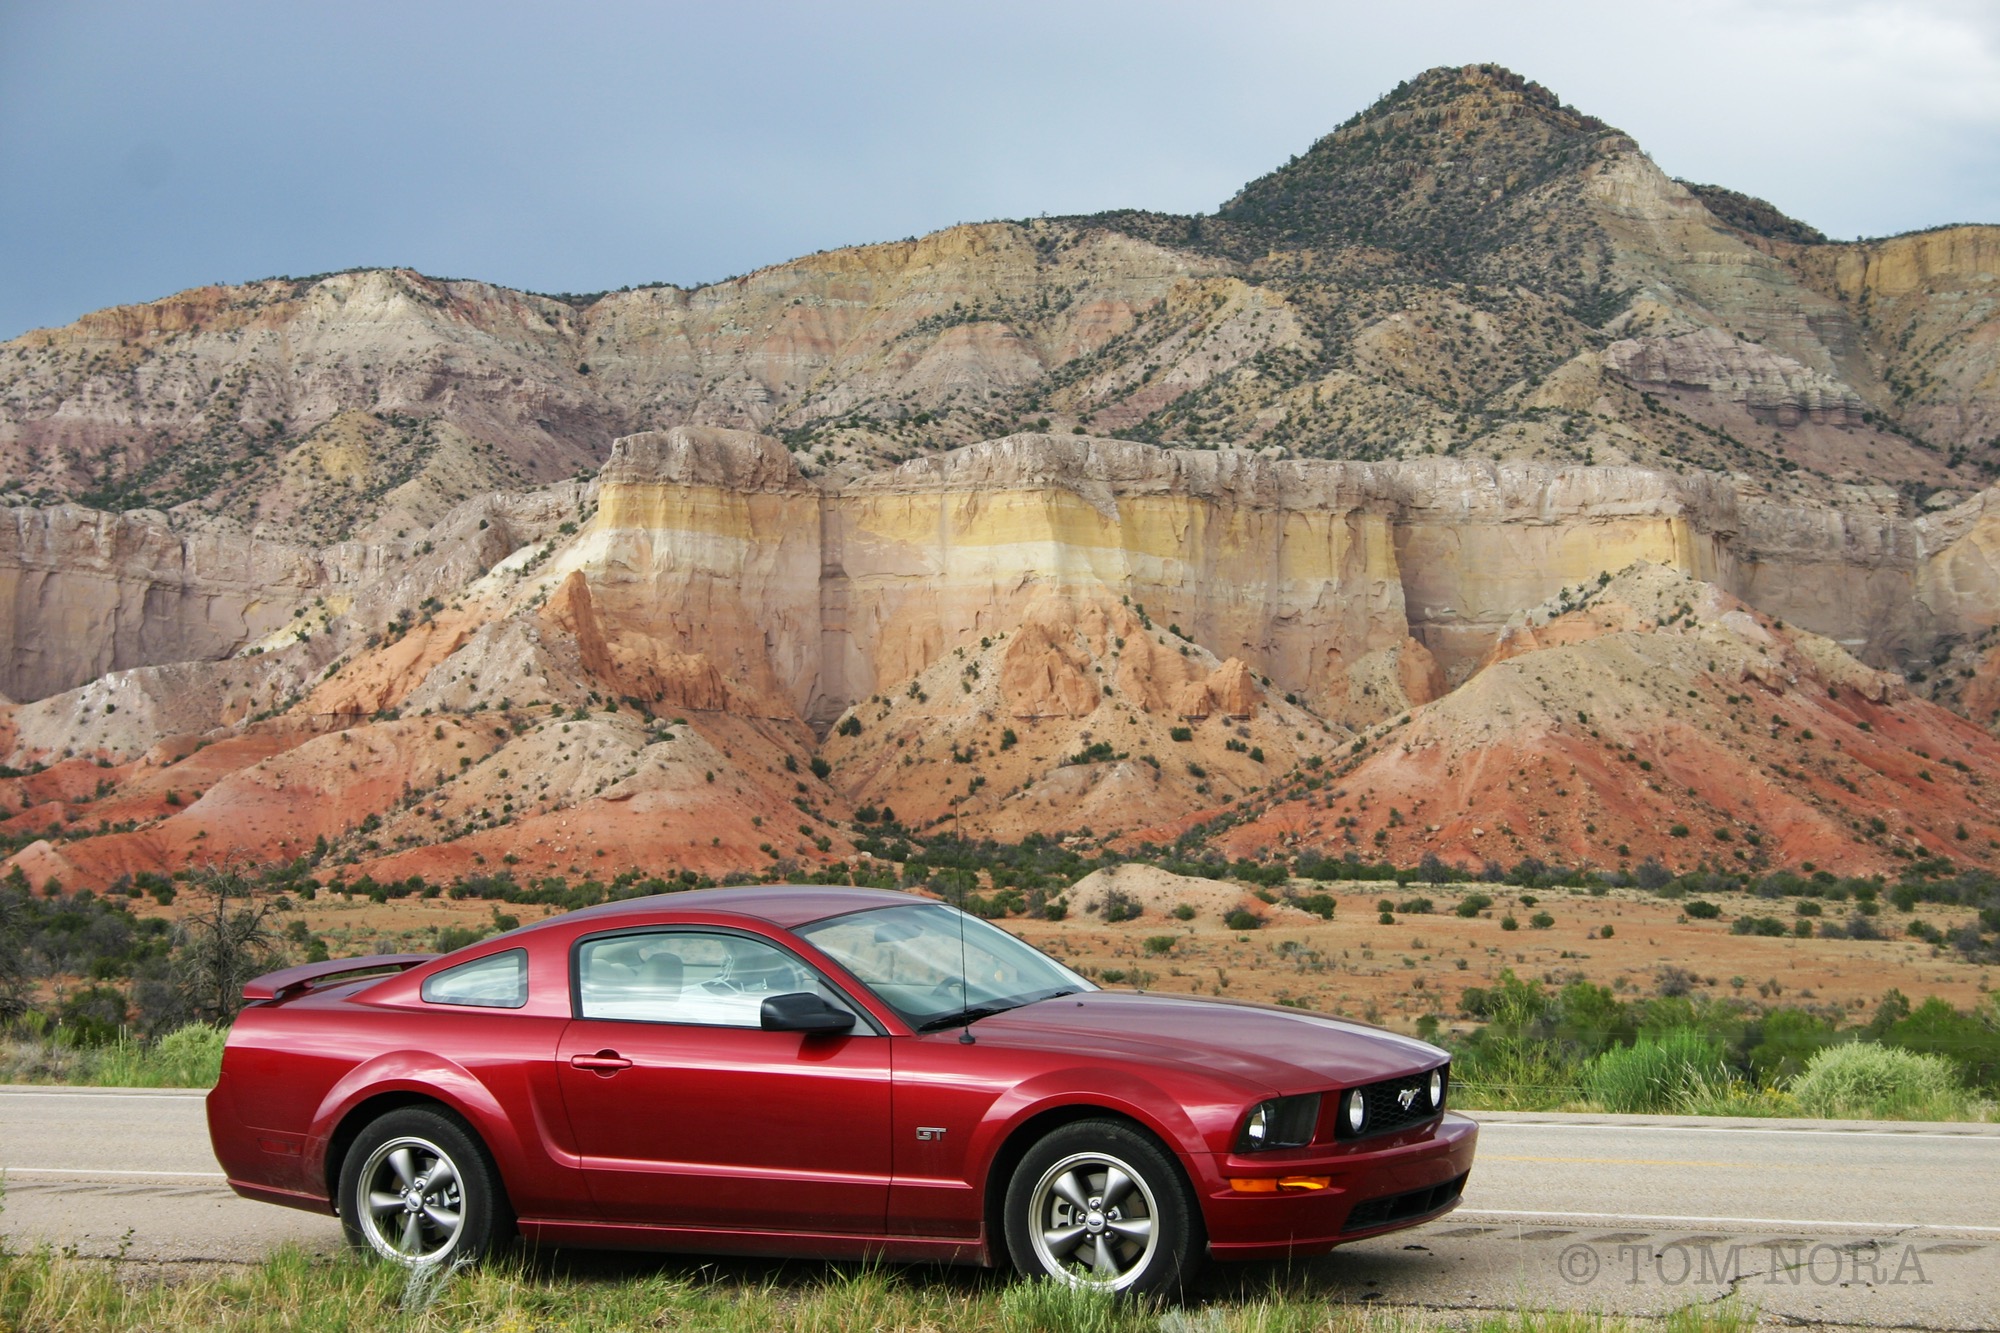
[[299, 1293], [1663, 1074], [187, 1057]]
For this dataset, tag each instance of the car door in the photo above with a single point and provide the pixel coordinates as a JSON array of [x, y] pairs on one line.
[[686, 1113]]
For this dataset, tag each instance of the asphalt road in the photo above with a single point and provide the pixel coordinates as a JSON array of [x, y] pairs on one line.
[[1815, 1222]]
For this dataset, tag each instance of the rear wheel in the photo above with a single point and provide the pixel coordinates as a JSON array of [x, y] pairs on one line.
[[417, 1188], [1099, 1204]]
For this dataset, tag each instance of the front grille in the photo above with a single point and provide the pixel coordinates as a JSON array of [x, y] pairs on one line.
[[1386, 1112], [1403, 1207]]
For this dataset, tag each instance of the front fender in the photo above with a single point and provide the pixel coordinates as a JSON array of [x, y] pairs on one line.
[[1118, 1091]]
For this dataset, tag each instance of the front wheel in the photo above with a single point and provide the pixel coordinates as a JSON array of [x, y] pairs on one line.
[[1099, 1204], [417, 1188]]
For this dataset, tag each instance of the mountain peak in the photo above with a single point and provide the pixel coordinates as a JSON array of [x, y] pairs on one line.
[[1445, 86], [1444, 169]]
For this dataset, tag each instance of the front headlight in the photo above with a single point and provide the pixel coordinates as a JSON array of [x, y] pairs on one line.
[[1282, 1122]]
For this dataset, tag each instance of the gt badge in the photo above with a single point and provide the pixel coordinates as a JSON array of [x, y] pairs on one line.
[[928, 1133]]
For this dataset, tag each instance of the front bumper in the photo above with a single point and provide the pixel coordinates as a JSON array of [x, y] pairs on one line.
[[1403, 1180]]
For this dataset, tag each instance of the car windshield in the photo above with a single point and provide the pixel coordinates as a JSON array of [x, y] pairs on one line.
[[937, 966]]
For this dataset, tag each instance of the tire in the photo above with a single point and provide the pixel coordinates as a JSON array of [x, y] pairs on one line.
[[1068, 1216], [394, 1204]]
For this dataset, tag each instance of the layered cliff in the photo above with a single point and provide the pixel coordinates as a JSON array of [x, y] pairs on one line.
[[1033, 633], [1468, 268]]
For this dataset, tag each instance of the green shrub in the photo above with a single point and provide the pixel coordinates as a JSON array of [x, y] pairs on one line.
[[1184, 912], [1861, 1080], [1242, 918], [1789, 1038], [1702, 911], [1472, 905], [1161, 943], [1119, 905], [1935, 1028], [1657, 1074], [187, 1057]]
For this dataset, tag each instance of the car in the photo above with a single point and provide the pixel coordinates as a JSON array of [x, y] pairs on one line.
[[822, 1072]]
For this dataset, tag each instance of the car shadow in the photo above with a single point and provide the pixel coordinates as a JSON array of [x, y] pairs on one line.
[[1348, 1276]]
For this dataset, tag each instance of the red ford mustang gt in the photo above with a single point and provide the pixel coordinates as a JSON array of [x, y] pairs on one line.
[[823, 1072]]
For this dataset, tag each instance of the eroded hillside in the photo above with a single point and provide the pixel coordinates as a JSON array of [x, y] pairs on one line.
[[1466, 269]]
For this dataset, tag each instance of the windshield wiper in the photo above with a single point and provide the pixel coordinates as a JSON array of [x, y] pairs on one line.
[[979, 1011], [958, 1016]]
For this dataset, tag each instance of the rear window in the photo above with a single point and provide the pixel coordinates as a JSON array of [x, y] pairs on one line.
[[498, 981]]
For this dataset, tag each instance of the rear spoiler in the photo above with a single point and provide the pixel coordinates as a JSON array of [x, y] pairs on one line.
[[298, 980]]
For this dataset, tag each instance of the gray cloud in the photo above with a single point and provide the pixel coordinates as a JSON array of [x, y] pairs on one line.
[[147, 148]]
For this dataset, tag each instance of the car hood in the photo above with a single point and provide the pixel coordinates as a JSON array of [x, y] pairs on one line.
[[1280, 1050]]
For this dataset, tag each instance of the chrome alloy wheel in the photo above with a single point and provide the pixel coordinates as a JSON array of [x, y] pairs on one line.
[[1091, 1221], [412, 1204]]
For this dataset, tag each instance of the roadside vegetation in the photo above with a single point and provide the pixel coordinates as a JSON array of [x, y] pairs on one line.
[[1581, 1047], [94, 991], [294, 1291]]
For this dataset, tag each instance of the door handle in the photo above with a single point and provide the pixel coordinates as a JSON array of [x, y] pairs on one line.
[[605, 1063]]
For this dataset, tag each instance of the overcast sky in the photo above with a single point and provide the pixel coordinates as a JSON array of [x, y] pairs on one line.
[[148, 147]]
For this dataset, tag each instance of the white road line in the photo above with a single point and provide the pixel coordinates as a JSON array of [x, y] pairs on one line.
[[1821, 1223], [105, 1171], [107, 1094], [1488, 1125]]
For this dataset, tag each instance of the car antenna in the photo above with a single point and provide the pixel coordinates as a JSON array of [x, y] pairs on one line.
[[965, 1037]]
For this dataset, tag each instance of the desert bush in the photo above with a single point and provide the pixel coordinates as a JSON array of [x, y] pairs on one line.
[[1861, 1080]]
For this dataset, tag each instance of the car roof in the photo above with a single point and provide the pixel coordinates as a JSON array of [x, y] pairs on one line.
[[783, 905]]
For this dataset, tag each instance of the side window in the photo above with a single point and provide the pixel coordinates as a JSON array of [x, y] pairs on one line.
[[496, 982], [687, 977]]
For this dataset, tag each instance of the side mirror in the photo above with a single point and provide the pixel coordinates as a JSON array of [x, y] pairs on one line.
[[802, 1011]]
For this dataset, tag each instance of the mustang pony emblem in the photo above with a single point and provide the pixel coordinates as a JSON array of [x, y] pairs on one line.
[[1405, 1097]]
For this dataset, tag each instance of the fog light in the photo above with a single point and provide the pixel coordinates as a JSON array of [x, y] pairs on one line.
[[1437, 1088], [1357, 1111]]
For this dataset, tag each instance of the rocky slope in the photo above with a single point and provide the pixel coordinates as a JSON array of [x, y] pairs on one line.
[[1655, 715], [1467, 268]]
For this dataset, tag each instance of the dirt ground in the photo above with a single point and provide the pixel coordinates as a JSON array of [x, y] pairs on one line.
[[1356, 966], [1393, 974]]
